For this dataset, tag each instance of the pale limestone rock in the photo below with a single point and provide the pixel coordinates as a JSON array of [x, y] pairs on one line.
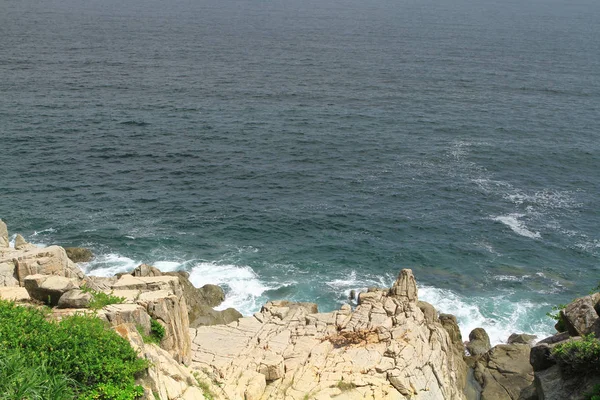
[[8, 276], [166, 377], [387, 345], [50, 260], [4, 241], [117, 314], [15, 293], [21, 244], [405, 286], [171, 311], [48, 288], [75, 298]]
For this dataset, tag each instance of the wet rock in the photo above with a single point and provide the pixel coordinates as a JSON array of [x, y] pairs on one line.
[[79, 254]]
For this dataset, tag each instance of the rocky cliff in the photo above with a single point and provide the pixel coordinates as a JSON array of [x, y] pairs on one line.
[[390, 346]]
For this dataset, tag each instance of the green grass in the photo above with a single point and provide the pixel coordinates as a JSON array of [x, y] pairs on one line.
[[101, 299], [95, 361], [157, 332]]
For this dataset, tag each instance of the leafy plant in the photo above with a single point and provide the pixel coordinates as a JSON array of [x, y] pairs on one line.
[[80, 347], [594, 394], [579, 355], [101, 299], [157, 330]]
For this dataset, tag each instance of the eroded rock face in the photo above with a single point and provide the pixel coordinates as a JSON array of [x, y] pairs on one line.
[[580, 315], [4, 241], [479, 342], [388, 348], [33, 260], [48, 288], [504, 372], [79, 254]]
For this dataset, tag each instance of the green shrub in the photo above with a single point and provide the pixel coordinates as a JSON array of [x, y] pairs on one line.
[[579, 355], [101, 299], [555, 315], [157, 330], [79, 347]]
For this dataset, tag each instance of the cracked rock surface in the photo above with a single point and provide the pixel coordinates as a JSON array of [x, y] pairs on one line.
[[387, 348]]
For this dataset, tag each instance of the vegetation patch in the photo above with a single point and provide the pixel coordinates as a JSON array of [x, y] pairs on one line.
[[579, 356], [101, 299], [79, 353], [555, 315], [345, 386], [157, 332], [344, 339]]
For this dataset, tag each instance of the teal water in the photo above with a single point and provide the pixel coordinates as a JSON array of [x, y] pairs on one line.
[[302, 149]]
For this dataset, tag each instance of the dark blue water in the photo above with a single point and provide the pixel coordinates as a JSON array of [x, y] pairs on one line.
[[301, 149]]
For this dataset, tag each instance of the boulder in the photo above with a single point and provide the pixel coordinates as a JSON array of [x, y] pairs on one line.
[[504, 372], [48, 288], [479, 342], [580, 316], [75, 298], [146, 270], [79, 254], [135, 314], [4, 241], [51, 260], [212, 295], [428, 310], [521, 338]]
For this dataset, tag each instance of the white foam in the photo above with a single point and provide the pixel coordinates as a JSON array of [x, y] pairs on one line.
[[507, 317], [242, 285], [517, 226], [167, 266], [109, 265]]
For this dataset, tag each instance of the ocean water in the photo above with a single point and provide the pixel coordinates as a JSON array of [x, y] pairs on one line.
[[301, 149]]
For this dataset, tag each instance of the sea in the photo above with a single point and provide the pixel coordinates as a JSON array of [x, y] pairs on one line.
[[301, 149]]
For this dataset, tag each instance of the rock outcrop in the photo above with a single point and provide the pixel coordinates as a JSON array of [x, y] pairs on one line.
[[79, 254], [386, 349], [4, 241], [554, 381]]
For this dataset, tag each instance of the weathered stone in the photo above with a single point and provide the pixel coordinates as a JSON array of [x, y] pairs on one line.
[[504, 372], [135, 314], [79, 254], [171, 311], [405, 286], [479, 342], [146, 270], [579, 316], [75, 298], [552, 384], [212, 295], [48, 288], [21, 243], [272, 367], [4, 241], [384, 346], [539, 357], [559, 337], [428, 310], [50, 260], [15, 293], [8, 276], [521, 338]]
